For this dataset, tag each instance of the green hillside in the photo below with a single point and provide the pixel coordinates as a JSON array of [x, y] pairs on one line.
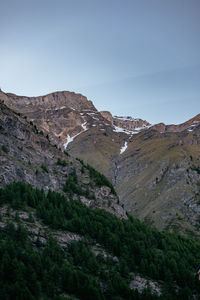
[[100, 264]]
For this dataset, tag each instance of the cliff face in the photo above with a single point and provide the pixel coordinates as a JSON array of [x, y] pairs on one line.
[[155, 169], [130, 123], [26, 155], [64, 115], [188, 125], [57, 114]]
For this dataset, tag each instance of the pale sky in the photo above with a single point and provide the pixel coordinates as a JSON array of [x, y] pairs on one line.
[[138, 58]]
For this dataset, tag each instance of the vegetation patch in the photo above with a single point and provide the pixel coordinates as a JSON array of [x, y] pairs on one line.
[[99, 179], [4, 149], [139, 248], [61, 162], [44, 168]]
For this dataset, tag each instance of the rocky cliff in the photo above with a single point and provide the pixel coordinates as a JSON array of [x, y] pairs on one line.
[[27, 155], [188, 125], [155, 169]]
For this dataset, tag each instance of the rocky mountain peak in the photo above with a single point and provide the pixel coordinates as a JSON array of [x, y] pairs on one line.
[[129, 123], [64, 115], [188, 125], [155, 163], [107, 115]]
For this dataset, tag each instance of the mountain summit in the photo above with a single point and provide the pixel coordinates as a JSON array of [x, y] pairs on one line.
[[154, 168]]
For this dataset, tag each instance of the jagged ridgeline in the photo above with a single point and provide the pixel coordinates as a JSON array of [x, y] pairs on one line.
[[154, 168], [100, 258], [64, 232]]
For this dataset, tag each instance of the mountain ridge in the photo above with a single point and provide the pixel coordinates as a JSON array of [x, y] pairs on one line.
[[154, 168]]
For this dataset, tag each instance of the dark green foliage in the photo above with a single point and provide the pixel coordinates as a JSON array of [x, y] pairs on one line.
[[61, 162], [66, 153], [35, 129], [26, 273], [72, 186], [139, 248], [196, 168], [41, 132], [98, 178], [44, 168], [4, 149]]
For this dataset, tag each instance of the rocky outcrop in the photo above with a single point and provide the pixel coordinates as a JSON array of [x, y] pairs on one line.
[[107, 115], [130, 123], [26, 155], [141, 284], [155, 169], [64, 115], [189, 125], [127, 123], [60, 115]]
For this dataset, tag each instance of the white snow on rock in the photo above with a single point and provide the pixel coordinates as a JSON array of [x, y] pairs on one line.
[[191, 128], [124, 147], [131, 132], [119, 129], [127, 118], [84, 126], [70, 139]]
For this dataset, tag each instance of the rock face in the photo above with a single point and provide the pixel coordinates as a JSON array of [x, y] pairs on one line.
[[64, 115], [107, 115], [130, 123], [189, 125], [126, 123], [155, 169], [27, 155]]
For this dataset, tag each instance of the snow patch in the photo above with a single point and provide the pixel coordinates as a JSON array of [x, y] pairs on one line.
[[70, 139], [124, 147], [131, 132], [191, 128], [84, 126], [127, 119], [119, 129]]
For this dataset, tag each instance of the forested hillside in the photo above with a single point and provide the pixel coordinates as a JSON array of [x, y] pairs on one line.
[[100, 263]]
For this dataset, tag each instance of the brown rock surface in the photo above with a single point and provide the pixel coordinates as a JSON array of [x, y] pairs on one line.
[[155, 172], [26, 155]]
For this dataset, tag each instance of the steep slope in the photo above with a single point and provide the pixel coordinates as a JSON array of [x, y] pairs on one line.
[[188, 125], [26, 155], [61, 115], [53, 248], [156, 175], [155, 169], [64, 115]]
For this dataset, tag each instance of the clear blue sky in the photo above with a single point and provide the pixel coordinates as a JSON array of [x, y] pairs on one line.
[[132, 57]]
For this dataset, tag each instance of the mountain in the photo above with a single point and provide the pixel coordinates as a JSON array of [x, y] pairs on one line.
[[154, 168], [26, 155], [63, 231], [64, 115], [188, 125]]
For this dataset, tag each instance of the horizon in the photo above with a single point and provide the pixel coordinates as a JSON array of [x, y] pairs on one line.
[[137, 58]]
